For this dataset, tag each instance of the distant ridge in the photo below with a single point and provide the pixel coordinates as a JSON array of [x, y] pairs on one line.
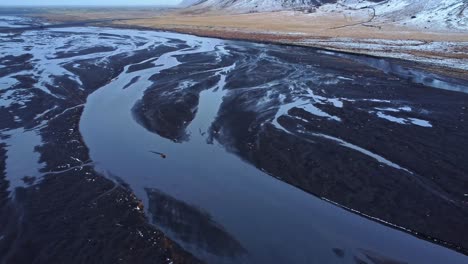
[[261, 5], [435, 14]]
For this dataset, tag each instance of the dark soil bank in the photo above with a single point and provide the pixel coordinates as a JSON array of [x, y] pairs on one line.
[[127, 146], [425, 192], [68, 213], [78, 216]]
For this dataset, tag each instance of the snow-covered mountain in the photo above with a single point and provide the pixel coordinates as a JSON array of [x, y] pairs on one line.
[[260, 5], [430, 14], [186, 3], [436, 14]]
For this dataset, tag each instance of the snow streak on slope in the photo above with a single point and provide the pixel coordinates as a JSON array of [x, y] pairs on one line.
[[257, 5], [433, 14]]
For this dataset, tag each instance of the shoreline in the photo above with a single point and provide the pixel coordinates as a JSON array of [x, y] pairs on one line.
[[275, 43], [59, 205], [415, 64], [457, 73], [439, 52]]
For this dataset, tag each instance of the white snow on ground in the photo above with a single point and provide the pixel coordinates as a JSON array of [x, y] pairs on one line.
[[436, 14], [253, 5], [363, 151], [433, 14], [22, 159], [392, 118], [430, 14], [13, 21], [18, 96], [401, 49], [302, 97], [389, 109], [420, 122], [403, 121], [306, 105], [47, 65], [43, 47]]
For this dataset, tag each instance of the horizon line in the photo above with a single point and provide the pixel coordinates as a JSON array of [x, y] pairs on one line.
[[88, 5]]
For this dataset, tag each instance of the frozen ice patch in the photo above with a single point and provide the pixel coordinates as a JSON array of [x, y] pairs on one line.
[[22, 159], [11, 97], [363, 151], [404, 121], [392, 118], [420, 122], [305, 105]]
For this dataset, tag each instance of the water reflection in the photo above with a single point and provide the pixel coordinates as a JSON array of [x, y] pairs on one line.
[[191, 225], [411, 74], [370, 257]]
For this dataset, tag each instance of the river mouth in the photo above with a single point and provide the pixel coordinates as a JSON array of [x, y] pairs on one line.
[[208, 134]]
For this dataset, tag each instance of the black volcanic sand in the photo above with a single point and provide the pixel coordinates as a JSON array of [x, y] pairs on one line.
[[169, 113], [429, 197], [73, 214], [192, 225]]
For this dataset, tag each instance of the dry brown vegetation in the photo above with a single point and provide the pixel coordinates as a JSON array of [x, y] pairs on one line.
[[289, 27]]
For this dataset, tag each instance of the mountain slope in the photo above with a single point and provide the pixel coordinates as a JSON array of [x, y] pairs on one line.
[[434, 14], [429, 14], [247, 6]]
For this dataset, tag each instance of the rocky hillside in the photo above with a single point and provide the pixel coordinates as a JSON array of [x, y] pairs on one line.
[[428, 14], [260, 5], [432, 14]]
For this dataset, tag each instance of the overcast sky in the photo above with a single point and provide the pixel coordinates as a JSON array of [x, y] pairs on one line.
[[89, 2]]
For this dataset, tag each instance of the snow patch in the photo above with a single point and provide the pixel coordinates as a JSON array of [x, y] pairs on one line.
[[404, 121]]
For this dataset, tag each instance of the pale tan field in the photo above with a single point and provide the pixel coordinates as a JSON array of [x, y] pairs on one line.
[[445, 50]]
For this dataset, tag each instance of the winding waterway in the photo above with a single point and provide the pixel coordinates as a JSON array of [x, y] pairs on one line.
[[182, 122], [273, 221]]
